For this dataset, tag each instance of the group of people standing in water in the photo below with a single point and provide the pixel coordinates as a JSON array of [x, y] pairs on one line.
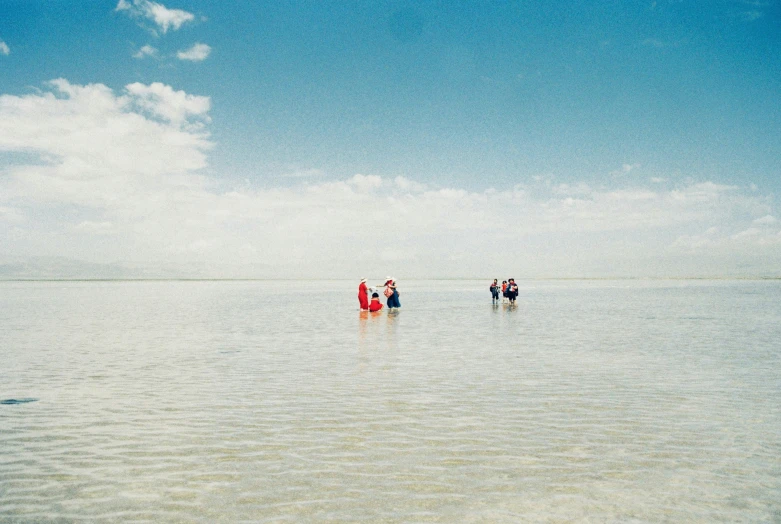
[[373, 303], [508, 289], [369, 298]]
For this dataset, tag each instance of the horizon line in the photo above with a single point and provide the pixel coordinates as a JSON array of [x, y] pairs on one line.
[[292, 279]]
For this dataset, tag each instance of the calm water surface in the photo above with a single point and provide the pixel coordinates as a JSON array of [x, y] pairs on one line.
[[280, 402]]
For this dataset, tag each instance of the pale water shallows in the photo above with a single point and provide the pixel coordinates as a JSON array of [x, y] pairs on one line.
[[280, 402]]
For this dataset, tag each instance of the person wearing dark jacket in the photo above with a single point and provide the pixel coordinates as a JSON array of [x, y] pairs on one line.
[[494, 291], [512, 290]]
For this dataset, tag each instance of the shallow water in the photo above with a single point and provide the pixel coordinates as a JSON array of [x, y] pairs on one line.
[[644, 401]]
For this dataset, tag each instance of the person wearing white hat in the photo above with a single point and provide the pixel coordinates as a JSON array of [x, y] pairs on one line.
[[363, 295], [388, 290], [391, 293]]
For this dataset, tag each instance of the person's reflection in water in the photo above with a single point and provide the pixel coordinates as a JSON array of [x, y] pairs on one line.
[[364, 340], [375, 337], [362, 327], [391, 328]]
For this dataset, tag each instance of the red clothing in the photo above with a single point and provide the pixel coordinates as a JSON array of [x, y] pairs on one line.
[[363, 296], [376, 305]]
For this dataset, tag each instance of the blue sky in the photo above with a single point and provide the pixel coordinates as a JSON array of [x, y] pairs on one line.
[[494, 112]]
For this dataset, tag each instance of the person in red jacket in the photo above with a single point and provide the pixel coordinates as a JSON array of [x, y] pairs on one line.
[[363, 295], [375, 305]]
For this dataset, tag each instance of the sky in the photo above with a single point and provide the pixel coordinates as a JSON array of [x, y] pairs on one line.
[[426, 139]]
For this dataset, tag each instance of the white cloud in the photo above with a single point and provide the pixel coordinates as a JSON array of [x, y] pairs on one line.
[[572, 189], [128, 165], [196, 53], [90, 226], [176, 107], [4, 49], [10, 214], [145, 51], [751, 232], [365, 183], [163, 17], [703, 192], [692, 243], [96, 145], [405, 184], [766, 220]]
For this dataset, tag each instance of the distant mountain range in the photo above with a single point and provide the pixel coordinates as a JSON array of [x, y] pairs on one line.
[[42, 268], [63, 268]]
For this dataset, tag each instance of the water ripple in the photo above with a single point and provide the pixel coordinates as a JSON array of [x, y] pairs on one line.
[[239, 401]]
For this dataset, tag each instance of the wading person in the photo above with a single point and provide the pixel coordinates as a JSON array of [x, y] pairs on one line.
[[363, 295], [392, 294], [375, 304], [512, 290], [494, 287]]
